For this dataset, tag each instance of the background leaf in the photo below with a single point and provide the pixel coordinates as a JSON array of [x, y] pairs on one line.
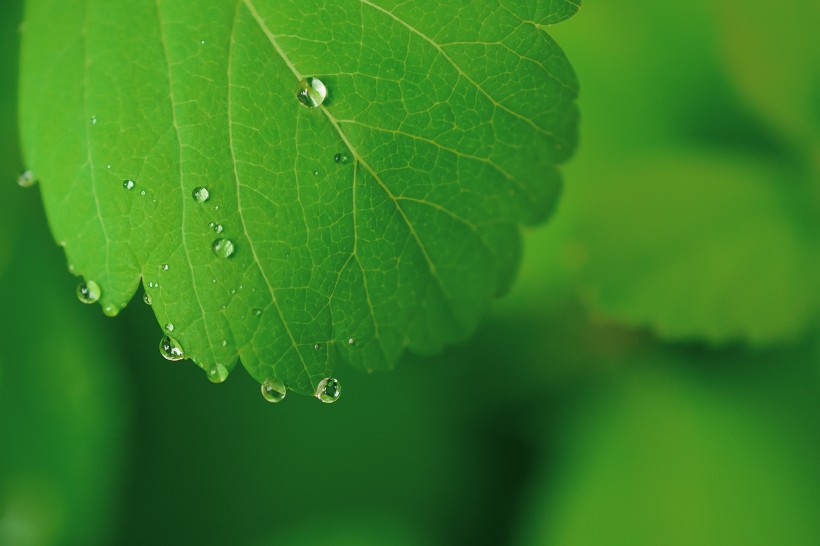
[[443, 114]]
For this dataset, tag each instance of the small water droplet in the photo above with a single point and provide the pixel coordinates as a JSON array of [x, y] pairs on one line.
[[169, 327], [142, 192], [273, 391], [315, 173], [316, 346], [93, 120], [88, 292], [328, 390], [202, 42], [311, 92], [108, 166], [170, 349], [165, 267], [216, 207], [218, 228], [147, 299], [257, 312], [341, 158], [222, 248], [110, 310], [26, 179], [351, 341], [128, 184], [201, 195], [224, 342]]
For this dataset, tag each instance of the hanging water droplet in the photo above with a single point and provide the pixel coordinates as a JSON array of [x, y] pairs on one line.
[[169, 327], [257, 312], [328, 390], [201, 194], [165, 267], [311, 92], [170, 349], [128, 184], [273, 391], [88, 292], [341, 158], [147, 299], [26, 179], [110, 310], [222, 248], [218, 374]]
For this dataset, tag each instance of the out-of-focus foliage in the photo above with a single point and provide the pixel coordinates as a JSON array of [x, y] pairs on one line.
[[550, 427]]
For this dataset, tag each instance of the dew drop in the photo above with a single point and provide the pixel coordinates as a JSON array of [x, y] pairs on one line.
[[273, 391], [311, 92], [328, 390], [218, 374], [218, 228], [351, 341], [315, 173], [315, 346], [147, 299], [341, 158], [142, 192], [88, 292], [224, 342], [222, 248], [93, 120], [170, 349], [257, 312], [128, 184], [110, 310], [26, 179], [169, 327], [201, 195], [165, 267]]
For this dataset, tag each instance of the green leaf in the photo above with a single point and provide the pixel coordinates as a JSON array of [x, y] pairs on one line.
[[453, 117]]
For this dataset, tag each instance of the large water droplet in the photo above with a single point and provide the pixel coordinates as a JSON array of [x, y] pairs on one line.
[[222, 248], [88, 292], [128, 184], [217, 374], [111, 310], [273, 391], [26, 179], [311, 92], [201, 194], [170, 349], [342, 158], [328, 390]]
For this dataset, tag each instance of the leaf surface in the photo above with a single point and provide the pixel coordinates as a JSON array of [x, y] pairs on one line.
[[452, 119]]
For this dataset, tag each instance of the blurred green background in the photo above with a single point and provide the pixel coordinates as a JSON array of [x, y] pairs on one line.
[[653, 377]]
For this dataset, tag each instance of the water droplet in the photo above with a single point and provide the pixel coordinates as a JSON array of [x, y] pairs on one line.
[[315, 173], [328, 390], [341, 158], [170, 349], [222, 248], [147, 299], [93, 120], [224, 342], [88, 292], [142, 192], [218, 228], [108, 166], [165, 267], [169, 327], [218, 374], [110, 310], [316, 346], [216, 207], [26, 179], [273, 391], [257, 312], [351, 341], [311, 92], [128, 184], [201, 194]]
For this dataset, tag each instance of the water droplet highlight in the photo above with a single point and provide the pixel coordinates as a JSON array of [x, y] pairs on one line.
[[170, 349], [222, 248], [328, 390], [341, 158], [201, 195], [88, 292], [311, 92], [26, 179], [128, 184], [273, 391]]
